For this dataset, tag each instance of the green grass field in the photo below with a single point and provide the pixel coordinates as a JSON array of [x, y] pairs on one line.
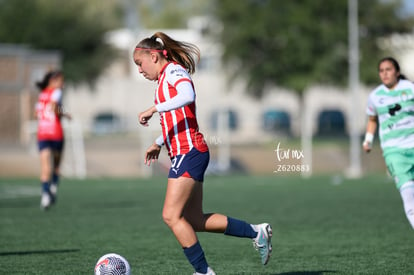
[[321, 226]]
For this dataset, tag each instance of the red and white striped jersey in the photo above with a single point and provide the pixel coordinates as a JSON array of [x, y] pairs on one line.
[[179, 126]]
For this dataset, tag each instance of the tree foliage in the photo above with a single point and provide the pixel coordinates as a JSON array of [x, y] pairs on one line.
[[76, 28], [298, 43], [170, 14]]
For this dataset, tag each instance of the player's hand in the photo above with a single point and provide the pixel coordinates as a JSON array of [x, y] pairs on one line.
[[68, 116], [152, 153], [367, 146], [145, 116]]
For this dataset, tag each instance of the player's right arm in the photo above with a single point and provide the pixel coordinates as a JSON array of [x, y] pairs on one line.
[[369, 134]]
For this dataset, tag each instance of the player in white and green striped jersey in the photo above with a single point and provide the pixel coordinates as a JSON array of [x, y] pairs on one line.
[[391, 107]]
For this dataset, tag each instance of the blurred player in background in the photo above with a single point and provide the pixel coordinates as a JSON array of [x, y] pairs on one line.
[[170, 63], [49, 112], [391, 105]]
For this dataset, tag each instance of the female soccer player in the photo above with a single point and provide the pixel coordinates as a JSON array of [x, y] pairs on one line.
[[170, 63], [392, 105], [50, 134]]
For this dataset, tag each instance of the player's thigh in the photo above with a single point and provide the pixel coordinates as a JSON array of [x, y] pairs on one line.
[[179, 191], [193, 210], [57, 152], [57, 157], [401, 166]]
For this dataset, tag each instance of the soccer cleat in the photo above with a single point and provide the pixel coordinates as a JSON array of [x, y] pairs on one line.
[[209, 272], [263, 241], [45, 201]]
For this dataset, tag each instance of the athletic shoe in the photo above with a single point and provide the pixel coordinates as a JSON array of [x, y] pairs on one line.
[[45, 201], [209, 272], [53, 192], [263, 241]]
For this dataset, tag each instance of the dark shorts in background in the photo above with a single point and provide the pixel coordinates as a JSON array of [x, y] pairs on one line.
[[54, 145], [190, 165]]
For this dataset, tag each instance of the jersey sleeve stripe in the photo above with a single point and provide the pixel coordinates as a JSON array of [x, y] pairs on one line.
[[182, 80]]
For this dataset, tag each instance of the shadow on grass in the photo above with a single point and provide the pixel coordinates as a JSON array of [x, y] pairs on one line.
[[321, 272], [22, 253]]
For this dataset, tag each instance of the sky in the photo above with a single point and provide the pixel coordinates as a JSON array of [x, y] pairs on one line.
[[409, 6]]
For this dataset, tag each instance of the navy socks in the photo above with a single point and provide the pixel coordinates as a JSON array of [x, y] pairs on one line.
[[55, 178], [45, 187], [195, 253], [195, 256], [239, 228]]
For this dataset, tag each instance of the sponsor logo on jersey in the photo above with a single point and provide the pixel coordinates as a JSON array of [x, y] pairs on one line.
[[178, 71], [395, 108]]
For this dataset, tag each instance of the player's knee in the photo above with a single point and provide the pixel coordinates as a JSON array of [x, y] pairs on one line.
[[166, 218], [169, 219], [45, 175]]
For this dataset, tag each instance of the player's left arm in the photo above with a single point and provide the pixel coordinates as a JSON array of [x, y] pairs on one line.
[[152, 154], [185, 95], [57, 107]]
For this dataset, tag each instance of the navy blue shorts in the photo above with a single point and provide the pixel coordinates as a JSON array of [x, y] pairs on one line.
[[54, 145], [190, 165]]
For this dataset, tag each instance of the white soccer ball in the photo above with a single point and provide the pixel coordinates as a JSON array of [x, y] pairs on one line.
[[112, 264]]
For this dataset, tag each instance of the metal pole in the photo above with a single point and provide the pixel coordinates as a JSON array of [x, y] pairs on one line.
[[353, 55]]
